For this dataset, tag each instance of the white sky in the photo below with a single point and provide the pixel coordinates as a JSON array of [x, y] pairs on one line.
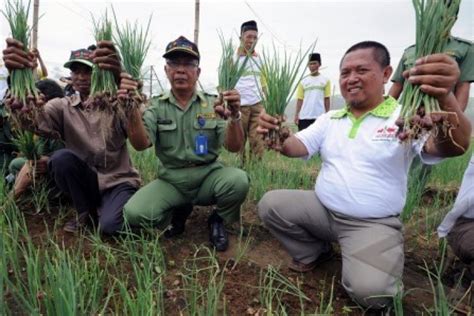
[[337, 24]]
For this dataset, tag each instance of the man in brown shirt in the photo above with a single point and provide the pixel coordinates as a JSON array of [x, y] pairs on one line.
[[94, 168]]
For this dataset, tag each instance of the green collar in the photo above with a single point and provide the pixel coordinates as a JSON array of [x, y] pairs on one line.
[[197, 94], [383, 110]]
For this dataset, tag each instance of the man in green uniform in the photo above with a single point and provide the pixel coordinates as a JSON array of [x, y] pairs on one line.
[[185, 127], [463, 52]]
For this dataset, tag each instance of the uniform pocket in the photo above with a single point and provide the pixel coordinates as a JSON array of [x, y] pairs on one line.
[[210, 131], [166, 135]]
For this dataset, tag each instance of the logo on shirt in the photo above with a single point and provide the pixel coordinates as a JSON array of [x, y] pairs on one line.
[[386, 134]]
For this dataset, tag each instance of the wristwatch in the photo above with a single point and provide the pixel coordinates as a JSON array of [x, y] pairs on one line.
[[238, 118]]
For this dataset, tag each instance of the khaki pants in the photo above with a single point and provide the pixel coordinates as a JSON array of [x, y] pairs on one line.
[[249, 124], [372, 249]]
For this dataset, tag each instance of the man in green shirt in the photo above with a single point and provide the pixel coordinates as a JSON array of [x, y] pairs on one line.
[[463, 52], [184, 126]]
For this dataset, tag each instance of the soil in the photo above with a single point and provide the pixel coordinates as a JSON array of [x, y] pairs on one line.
[[241, 293]]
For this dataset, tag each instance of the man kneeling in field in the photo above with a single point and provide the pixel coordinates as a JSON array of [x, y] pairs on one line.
[[361, 188]]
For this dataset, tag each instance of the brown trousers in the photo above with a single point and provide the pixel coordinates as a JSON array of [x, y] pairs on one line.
[[249, 124]]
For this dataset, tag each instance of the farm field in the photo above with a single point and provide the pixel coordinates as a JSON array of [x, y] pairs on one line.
[[46, 271]]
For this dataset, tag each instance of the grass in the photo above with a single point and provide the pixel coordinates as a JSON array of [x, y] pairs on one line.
[[138, 273]]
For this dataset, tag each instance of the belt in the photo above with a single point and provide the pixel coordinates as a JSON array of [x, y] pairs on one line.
[[191, 164]]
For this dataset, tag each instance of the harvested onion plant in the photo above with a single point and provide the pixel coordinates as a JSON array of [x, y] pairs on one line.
[[230, 69], [133, 42], [23, 92], [103, 93], [103, 86], [281, 73], [421, 113], [31, 147]]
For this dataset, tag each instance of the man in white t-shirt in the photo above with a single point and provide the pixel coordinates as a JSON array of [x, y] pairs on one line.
[[250, 89], [361, 187], [312, 94], [458, 225]]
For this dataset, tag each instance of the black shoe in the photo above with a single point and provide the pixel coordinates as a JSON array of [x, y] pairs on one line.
[[217, 233], [78, 223], [178, 220]]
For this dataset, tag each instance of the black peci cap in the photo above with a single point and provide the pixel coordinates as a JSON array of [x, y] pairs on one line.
[[247, 26], [314, 57]]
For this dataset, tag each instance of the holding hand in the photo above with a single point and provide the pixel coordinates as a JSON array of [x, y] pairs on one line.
[[271, 127], [127, 85], [106, 57], [436, 75], [15, 57], [230, 98]]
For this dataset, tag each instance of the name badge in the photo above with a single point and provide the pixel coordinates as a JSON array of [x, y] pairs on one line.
[[201, 145]]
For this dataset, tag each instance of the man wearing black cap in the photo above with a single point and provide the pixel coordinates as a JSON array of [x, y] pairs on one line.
[[184, 126], [250, 89], [312, 95], [94, 169]]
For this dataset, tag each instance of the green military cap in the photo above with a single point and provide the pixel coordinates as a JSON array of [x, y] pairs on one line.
[[82, 56], [182, 45]]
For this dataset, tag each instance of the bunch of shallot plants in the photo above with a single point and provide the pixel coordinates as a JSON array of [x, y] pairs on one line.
[[103, 92], [23, 92], [281, 74], [230, 69], [133, 42], [421, 113]]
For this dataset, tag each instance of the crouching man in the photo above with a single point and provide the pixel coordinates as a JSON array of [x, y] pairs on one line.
[[361, 187], [187, 133]]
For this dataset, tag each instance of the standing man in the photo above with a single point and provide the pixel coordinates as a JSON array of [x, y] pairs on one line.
[[251, 90], [312, 95], [95, 168], [361, 187], [187, 134]]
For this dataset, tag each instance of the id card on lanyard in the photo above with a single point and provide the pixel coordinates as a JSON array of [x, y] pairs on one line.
[[201, 140]]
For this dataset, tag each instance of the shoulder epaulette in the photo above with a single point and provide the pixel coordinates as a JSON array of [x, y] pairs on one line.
[[410, 47], [462, 40]]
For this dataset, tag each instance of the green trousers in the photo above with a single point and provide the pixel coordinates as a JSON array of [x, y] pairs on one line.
[[152, 205]]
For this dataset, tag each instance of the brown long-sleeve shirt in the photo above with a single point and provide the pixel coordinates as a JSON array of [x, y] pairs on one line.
[[85, 132]]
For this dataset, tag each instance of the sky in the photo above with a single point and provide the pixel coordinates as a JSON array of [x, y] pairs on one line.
[[66, 25]]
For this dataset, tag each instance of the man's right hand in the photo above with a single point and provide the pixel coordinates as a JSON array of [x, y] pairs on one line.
[[16, 58], [297, 119], [127, 84], [266, 123]]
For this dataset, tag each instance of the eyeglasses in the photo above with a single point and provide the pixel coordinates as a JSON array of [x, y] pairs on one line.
[[188, 65]]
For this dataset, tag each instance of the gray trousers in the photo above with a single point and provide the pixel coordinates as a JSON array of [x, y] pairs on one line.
[[461, 240], [372, 249]]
